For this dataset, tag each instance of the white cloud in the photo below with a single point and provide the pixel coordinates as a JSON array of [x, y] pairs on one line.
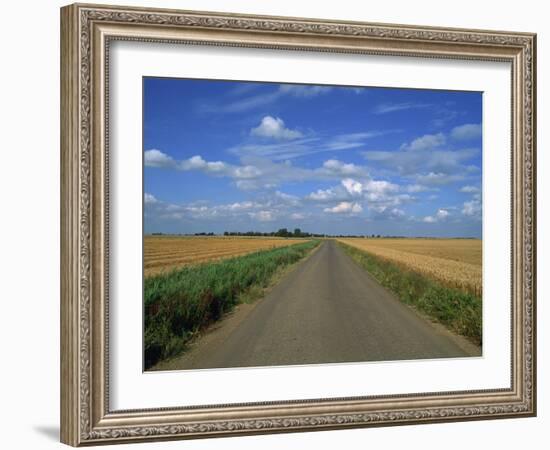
[[274, 127], [373, 190], [294, 146], [149, 198], [262, 210], [442, 214], [351, 140], [156, 158], [380, 187], [426, 142], [326, 195], [298, 216], [298, 90], [433, 178], [198, 163], [262, 216], [345, 208], [472, 208], [412, 163], [335, 167], [385, 108], [382, 197], [469, 189], [466, 132], [352, 187], [246, 172], [240, 206], [386, 212], [439, 216], [258, 100], [287, 199], [241, 105]]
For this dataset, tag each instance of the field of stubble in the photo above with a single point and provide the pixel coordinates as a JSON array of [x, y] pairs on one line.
[[453, 262], [165, 253]]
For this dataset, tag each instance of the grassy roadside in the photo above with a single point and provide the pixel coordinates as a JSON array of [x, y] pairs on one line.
[[458, 310], [181, 302]]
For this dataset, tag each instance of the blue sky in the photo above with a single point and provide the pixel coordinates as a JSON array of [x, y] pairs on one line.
[[240, 156]]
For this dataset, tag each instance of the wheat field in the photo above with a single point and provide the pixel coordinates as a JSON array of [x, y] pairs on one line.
[[454, 262], [164, 253]]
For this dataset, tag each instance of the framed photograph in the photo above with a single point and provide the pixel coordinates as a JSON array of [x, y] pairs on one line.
[[279, 224]]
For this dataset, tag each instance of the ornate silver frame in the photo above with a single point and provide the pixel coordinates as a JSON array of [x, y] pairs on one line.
[[86, 31]]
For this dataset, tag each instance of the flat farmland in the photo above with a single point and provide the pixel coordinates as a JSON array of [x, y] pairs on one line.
[[454, 262], [164, 253]]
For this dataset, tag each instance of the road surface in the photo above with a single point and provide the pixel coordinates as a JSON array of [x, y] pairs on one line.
[[327, 310]]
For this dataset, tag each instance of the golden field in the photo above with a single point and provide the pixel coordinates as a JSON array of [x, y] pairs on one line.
[[456, 262], [164, 253]]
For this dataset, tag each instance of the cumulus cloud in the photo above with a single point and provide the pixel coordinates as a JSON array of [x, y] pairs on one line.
[[198, 163], [262, 210], [427, 160], [426, 142], [442, 214], [439, 216], [345, 208], [466, 132], [287, 199], [274, 127], [353, 187], [336, 167], [415, 163], [386, 212], [373, 190], [156, 158], [328, 195], [472, 208], [149, 198], [380, 196]]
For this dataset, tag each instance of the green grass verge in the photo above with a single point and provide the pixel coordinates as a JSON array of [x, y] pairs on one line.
[[458, 310], [179, 303]]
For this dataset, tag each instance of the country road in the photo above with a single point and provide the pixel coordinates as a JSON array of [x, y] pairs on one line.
[[326, 310]]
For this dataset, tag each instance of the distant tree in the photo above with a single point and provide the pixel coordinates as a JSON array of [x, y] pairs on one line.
[[297, 232], [282, 232]]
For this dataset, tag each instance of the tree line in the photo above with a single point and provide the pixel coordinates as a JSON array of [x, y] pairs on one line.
[[281, 232]]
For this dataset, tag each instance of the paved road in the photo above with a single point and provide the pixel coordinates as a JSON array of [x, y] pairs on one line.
[[326, 310]]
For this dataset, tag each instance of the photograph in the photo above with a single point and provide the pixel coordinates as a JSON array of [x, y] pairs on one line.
[[285, 221], [292, 224]]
